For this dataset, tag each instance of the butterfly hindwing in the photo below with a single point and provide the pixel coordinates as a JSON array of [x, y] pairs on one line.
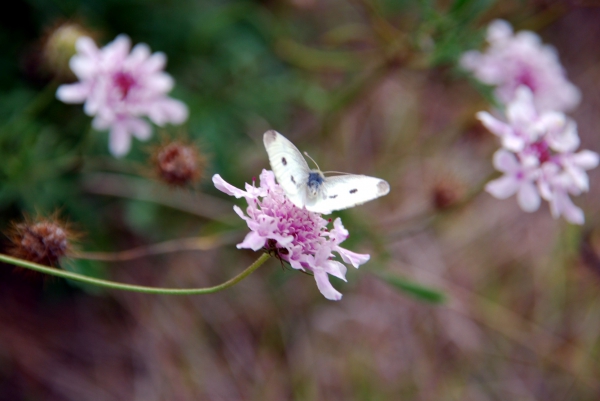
[[344, 191], [289, 167]]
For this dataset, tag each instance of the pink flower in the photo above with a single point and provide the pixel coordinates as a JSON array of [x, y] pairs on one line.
[[120, 87], [513, 60], [539, 159], [526, 125], [298, 236], [517, 179]]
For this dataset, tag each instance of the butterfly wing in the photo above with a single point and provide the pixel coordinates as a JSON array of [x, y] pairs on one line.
[[344, 191], [289, 167]]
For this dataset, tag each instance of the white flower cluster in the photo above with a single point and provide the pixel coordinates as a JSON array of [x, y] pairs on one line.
[[539, 142]]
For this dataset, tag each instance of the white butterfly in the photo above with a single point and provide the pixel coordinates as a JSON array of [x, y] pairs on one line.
[[310, 188]]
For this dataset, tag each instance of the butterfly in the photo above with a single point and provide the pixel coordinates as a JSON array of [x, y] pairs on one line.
[[310, 188]]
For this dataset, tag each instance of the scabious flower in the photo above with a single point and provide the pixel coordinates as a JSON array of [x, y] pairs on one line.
[[538, 158], [120, 87], [299, 237], [513, 60]]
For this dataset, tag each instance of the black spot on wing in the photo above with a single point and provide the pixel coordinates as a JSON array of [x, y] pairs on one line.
[[292, 177], [333, 197], [284, 161], [353, 191]]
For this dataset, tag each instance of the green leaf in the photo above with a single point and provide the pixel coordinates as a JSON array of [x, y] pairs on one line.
[[413, 289]]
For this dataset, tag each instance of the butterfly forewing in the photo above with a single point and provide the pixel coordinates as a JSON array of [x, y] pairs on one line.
[[289, 167], [344, 191]]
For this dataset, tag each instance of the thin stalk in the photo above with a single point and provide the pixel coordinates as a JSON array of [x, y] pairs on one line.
[[130, 287]]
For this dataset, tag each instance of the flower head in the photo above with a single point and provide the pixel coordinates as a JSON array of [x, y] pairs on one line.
[[538, 158], [514, 60], [120, 87], [300, 237], [178, 163], [41, 240]]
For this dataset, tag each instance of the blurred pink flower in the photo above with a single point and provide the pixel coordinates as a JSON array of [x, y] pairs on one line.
[[538, 159], [120, 87], [525, 125], [517, 179], [513, 60], [299, 237]]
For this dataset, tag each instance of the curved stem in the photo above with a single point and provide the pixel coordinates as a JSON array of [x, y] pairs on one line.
[[136, 288]]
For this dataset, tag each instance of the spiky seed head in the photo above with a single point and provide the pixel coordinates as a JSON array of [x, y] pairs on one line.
[[41, 240], [178, 163]]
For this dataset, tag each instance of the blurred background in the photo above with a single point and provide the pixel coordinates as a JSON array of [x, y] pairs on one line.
[[482, 301]]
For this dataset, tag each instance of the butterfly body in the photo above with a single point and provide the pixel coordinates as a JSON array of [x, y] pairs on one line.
[[315, 183], [310, 188]]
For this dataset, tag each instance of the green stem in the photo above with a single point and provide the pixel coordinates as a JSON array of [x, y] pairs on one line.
[[137, 288]]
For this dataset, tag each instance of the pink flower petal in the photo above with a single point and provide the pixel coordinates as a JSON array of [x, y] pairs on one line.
[[506, 161], [503, 187], [116, 51], [325, 286], [229, 189], [84, 67], [355, 259], [499, 30], [160, 82], [119, 140], [155, 63], [521, 110], [139, 128], [586, 159], [528, 197], [73, 93], [139, 54], [252, 241], [86, 47], [168, 110], [562, 204]]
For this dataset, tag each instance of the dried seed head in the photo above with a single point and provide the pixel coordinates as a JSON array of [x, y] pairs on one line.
[[59, 47], [178, 163], [43, 240]]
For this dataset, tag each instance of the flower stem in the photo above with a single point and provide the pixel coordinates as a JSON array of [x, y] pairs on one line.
[[136, 288]]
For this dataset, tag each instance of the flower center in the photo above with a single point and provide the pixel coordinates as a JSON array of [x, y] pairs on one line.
[[124, 81], [541, 150], [526, 78]]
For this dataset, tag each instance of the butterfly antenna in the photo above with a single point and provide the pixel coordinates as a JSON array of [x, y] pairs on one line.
[[313, 160], [336, 172]]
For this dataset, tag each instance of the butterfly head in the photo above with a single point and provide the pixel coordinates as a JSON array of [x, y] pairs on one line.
[[315, 180]]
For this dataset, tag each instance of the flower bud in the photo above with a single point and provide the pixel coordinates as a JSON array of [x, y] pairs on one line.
[[178, 163], [59, 47]]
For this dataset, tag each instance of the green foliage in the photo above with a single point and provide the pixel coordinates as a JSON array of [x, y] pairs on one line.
[[413, 289]]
